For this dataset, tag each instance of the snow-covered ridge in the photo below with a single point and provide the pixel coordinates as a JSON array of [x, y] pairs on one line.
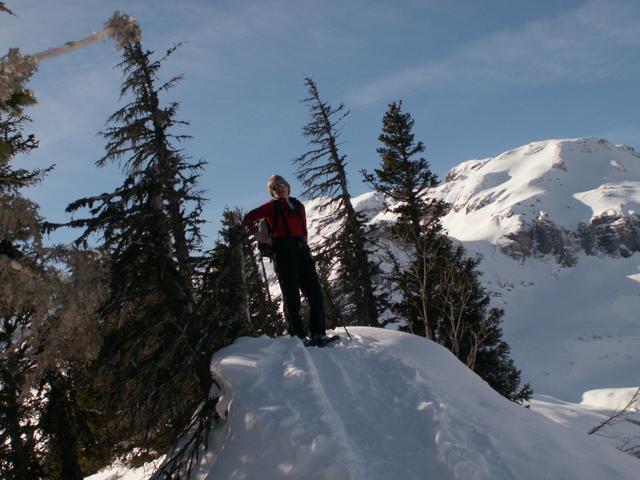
[[385, 405], [566, 183]]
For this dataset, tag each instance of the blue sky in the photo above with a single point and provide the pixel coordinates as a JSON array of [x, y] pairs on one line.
[[479, 78]]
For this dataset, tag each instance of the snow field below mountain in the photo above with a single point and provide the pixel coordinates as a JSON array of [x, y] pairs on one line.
[[570, 329], [385, 405]]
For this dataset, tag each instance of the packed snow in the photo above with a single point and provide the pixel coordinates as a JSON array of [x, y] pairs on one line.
[[383, 405], [386, 405]]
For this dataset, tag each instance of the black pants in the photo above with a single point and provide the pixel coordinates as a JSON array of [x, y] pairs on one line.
[[296, 271]]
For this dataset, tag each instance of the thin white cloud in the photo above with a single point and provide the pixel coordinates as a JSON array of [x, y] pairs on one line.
[[223, 37], [580, 45], [225, 40]]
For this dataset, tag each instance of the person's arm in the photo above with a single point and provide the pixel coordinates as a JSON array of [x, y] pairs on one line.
[[263, 211]]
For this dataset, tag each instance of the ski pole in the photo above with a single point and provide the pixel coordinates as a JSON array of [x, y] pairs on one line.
[[266, 280], [343, 325], [338, 315]]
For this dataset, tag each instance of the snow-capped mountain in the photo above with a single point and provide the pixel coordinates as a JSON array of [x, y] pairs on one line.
[[555, 222], [555, 196]]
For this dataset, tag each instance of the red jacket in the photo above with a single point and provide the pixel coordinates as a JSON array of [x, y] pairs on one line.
[[295, 219]]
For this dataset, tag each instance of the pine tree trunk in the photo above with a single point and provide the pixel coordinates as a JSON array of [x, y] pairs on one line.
[[64, 441], [243, 308], [20, 457]]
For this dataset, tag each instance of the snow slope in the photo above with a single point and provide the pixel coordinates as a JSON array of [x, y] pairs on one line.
[[571, 329], [385, 405]]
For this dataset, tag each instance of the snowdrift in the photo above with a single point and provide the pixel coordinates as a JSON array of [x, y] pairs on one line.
[[386, 405]]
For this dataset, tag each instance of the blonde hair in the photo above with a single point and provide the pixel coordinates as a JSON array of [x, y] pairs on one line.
[[273, 179]]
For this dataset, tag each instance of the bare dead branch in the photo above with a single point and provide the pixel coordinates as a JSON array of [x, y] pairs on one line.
[[616, 415], [4, 8], [16, 69]]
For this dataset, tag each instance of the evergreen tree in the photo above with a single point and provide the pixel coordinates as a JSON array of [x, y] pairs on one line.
[[330, 289], [467, 325], [322, 171], [62, 425], [23, 292], [153, 366], [442, 297], [224, 294], [67, 345], [234, 291], [406, 181], [42, 311], [48, 296], [263, 309], [18, 457]]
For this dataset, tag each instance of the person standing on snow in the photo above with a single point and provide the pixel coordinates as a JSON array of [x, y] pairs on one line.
[[294, 266]]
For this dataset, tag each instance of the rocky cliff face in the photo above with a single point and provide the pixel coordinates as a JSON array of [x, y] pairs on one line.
[[615, 235]]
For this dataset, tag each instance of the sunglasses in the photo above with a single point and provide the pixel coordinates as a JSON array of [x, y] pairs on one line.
[[278, 186]]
